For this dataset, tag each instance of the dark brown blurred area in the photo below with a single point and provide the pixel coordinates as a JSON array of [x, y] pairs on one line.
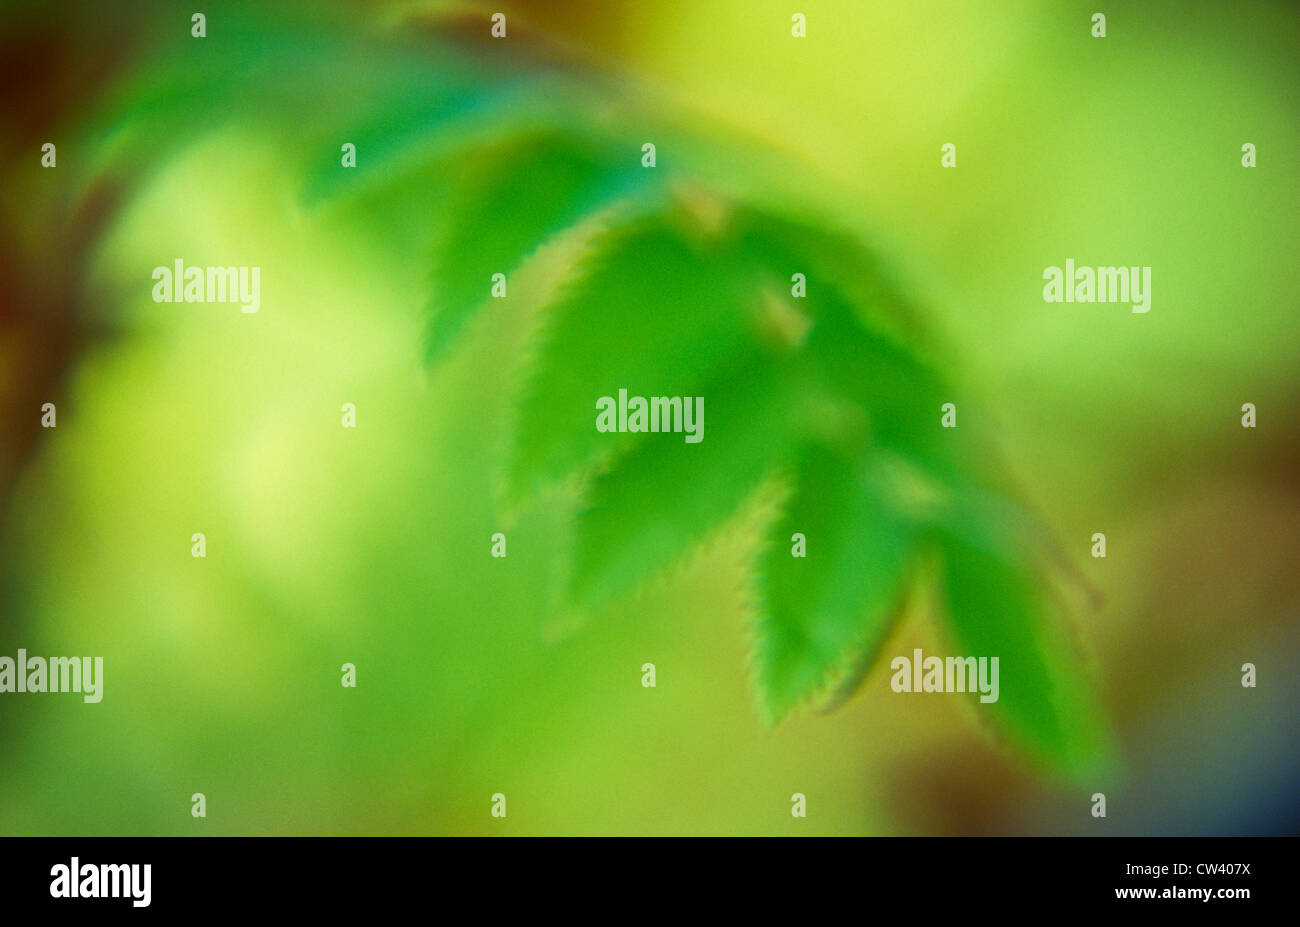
[[51, 72]]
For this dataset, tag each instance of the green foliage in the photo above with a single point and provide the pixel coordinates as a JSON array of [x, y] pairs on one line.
[[689, 294], [685, 291]]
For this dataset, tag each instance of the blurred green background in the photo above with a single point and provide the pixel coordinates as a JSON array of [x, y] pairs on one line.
[[329, 545]]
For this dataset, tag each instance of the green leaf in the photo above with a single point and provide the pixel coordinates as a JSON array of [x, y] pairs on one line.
[[846, 281], [414, 119], [866, 344], [506, 199], [999, 608], [832, 607], [653, 311], [901, 395], [665, 495]]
